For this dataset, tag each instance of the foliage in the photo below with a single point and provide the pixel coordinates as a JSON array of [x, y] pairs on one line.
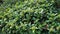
[[29, 17]]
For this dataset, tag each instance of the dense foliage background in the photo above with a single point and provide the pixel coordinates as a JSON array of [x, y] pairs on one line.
[[29, 17]]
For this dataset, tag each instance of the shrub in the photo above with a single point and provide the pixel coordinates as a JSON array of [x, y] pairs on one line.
[[29, 17]]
